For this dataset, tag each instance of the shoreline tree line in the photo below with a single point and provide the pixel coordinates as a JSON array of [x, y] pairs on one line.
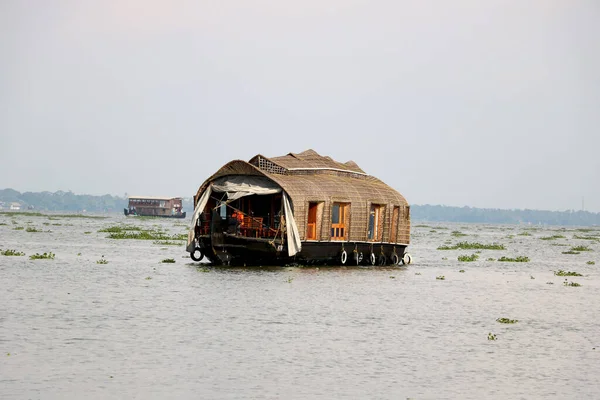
[[69, 201]]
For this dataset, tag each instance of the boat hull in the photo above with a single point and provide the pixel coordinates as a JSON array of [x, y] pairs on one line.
[[226, 249]]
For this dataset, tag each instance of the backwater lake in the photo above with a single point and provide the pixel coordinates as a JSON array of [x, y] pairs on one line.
[[137, 328]]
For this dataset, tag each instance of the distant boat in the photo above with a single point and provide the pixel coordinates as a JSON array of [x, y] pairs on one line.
[[164, 207]]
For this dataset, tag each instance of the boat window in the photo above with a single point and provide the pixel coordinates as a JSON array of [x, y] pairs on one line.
[[340, 213], [223, 211], [375, 232], [335, 214]]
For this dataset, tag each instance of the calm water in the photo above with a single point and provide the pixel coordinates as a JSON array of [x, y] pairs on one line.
[[138, 328]]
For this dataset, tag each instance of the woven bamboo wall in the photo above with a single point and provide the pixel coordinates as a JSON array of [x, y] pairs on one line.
[[360, 193]]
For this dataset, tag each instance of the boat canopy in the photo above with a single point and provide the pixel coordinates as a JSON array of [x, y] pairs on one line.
[[238, 186]]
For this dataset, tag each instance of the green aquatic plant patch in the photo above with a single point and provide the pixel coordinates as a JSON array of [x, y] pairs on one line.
[[591, 263], [491, 259], [524, 234], [507, 320], [440, 277], [570, 252], [102, 261], [573, 284], [18, 228], [560, 272], [515, 259], [553, 237], [492, 336], [594, 238], [168, 261], [44, 256], [19, 213], [11, 253], [458, 234], [30, 229], [467, 258], [50, 216], [581, 248], [473, 246], [120, 228], [145, 235]]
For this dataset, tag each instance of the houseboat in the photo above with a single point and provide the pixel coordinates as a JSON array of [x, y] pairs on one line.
[[298, 208], [166, 207]]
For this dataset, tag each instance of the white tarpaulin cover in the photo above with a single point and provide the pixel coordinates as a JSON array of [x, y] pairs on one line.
[[237, 186], [199, 208], [293, 237]]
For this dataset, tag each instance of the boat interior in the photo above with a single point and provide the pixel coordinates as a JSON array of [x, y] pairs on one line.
[[255, 216]]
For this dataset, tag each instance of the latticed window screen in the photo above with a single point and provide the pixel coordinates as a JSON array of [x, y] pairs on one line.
[[269, 167]]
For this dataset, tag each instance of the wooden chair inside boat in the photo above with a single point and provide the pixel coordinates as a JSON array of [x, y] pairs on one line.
[[252, 226]]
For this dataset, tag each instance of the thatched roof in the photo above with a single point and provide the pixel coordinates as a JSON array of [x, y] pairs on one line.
[[310, 159], [308, 175]]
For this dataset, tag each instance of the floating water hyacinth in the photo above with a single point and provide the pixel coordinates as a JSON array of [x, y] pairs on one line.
[[466, 258], [507, 320], [516, 259], [560, 272], [553, 237], [473, 246], [11, 253], [44, 256]]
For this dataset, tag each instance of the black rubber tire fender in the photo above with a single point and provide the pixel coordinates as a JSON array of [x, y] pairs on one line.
[[193, 254]]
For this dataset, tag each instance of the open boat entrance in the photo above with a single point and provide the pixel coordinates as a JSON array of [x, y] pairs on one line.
[[255, 216]]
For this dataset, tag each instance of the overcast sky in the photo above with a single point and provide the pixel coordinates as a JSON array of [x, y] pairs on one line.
[[480, 103]]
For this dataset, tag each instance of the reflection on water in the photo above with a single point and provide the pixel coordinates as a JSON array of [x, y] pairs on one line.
[[138, 328]]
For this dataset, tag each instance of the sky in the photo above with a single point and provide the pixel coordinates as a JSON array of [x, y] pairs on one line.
[[491, 104]]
